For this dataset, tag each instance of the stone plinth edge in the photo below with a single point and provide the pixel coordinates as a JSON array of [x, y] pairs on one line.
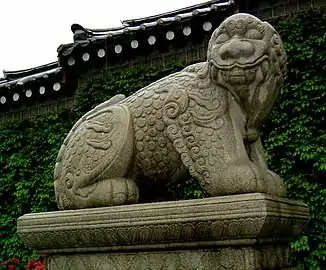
[[247, 219]]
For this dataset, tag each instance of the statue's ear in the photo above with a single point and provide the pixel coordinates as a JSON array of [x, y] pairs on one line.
[[211, 43], [280, 52]]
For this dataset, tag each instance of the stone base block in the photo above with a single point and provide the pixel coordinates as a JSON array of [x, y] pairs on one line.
[[249, 231], [193, 259]]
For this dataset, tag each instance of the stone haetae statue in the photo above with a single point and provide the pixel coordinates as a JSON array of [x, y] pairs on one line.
[[203, 121]]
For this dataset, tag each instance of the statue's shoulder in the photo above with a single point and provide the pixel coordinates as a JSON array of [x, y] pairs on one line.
[[186, 79], [187, 75], [196, 69], [190, 75]]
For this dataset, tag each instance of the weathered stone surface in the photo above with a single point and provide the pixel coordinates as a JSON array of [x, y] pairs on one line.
[[245, 258], [226, 220], [204, 121], [248, 231]]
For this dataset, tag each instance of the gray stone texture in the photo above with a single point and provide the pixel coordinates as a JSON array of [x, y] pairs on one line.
[[204, 121], [205, 259], [248, 231]]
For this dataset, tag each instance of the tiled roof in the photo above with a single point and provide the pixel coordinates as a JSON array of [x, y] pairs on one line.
[[22, 85], [188, 11], [84, 36], [20, 77]]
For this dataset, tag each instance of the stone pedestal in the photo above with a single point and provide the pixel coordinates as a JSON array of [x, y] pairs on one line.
[[249, 231]]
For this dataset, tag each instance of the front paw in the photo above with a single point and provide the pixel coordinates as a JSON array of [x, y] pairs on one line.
[[239, 179], [275, 184]]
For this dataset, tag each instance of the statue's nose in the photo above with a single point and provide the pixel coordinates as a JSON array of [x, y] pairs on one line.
[[236, 48]]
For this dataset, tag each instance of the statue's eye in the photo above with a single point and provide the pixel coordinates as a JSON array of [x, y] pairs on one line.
[[253, 34], [222, 38]]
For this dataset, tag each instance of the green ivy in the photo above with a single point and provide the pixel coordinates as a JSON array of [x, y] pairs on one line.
[[294, 138], [28, 150]]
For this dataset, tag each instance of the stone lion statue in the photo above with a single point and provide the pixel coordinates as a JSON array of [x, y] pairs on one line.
[[203, 121]]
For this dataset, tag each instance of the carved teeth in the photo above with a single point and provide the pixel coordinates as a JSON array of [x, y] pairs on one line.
[[250, 74], [239, 76]]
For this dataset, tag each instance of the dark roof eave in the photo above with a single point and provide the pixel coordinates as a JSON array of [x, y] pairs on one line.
[[139, 21], [27, 78], [175, 16], [92, 36], [12, 75]]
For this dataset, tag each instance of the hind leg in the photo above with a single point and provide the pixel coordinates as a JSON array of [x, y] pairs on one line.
[[112, 192], [107, 192]]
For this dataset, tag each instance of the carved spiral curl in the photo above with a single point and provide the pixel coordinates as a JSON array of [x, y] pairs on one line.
[[199, 165], [193, 172], [191, 139], [172, 109], [195, 151], [186, 158], [173, 131], [179, 144], [185, 119], [187, 131], [206, 176]]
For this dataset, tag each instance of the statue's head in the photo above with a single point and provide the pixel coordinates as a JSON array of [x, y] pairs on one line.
[[245, 52]]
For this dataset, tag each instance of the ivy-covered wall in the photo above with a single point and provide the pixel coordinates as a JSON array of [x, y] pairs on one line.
[[294, 138]]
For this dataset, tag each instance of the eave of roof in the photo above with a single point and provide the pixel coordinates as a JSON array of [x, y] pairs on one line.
[[139, 21], [31, 85], [20, 77], [13, 82], [84, 36], [26, 72]]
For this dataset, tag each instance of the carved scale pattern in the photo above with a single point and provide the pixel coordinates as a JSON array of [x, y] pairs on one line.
[[193, 114], [177, 117]]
